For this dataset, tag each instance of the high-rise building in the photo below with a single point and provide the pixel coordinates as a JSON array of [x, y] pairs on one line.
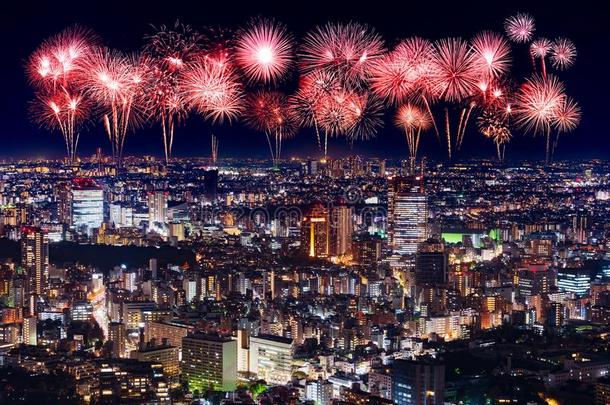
[[209, 362], [577, 281], [534, 280], [342, 230], [29, 331], [157, 211], [163, 354], [210, 184], [431, 263], [407, 214], [35, 258], [116, 336], [63, 197], [87, 204], [419, 382], [271, 358], [366, 250], [315, 232]]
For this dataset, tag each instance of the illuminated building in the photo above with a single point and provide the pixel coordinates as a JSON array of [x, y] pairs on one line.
[[577, 281], [116, 336], [163, 354], [407, 214], [315, 232], [29, 331], [157, 211], [209, 362], [342, 230], [534, 280], [170, 330], [35, 258], [419, 382], [87, 204], [271, 358]]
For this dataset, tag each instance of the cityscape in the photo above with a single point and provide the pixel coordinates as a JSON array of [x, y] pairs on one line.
[[385, 238]]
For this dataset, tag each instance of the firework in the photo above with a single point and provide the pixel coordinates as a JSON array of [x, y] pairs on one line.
[[537, 105], [264, 51], [270, 112], [212, 88], [218, 44], [346, 50], [116, 83], [540, 49], [367, 112], [457, 75], [173, 47], [563, 53], [493, 124], [413, 121], [492, 55], [520, 27]]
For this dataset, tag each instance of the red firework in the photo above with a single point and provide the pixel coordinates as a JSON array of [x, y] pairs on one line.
[[264, 51], [407, 72], [563, 53], [413, 121], [457, 75], [520, 27], [492, 55], [213, 89], [367, 112], [567, 115], [347, 50]]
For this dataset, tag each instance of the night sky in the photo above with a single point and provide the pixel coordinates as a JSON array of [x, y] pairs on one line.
[[122, 25]]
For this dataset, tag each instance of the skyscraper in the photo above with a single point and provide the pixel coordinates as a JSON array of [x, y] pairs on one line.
[[116, 335], [431, 263], [157, 211], [35, 258], [63, 197], [209, 362], [210, 184], [87, 204], [407, 214], [315, 232], [342, 230], [29, 331]]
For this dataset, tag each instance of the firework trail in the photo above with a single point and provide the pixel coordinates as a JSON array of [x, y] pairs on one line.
[[264, 51], [567, 117], [169, 50], [540, 48], [271, 113], [413, 121], [346, 50], [493, 124], [53, 71]]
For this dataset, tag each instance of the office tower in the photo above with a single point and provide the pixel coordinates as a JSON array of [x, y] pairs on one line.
[[271, 358], [407, 214], [87, 204], [210, 185], [419, 382], [63, 197], [315, 232], [431, 263], [577, 281], [366, 250], [116, 336], [556, 314], [157, 211], [534, 280], [29, 331], [209, 362], [152, 266], [342, 229], [35, 258]]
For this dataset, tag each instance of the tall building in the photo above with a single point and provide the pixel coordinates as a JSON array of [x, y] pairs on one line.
[[116, 336], [342, 230], [271, 358], [407, 214], [35, 258], [63, 197], [209, 362], [157, 211], [87, 204], [419, 382], [577, 281], [534, 280], [431, 263], [315, 232], [163, 354], [366, 250], [29, 331], [210, 184]]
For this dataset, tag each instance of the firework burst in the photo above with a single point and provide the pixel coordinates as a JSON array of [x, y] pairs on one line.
[[412, 120], [264, 51], [346, 50], [562, 53], [493, 124], [492, 55], [520, 27]]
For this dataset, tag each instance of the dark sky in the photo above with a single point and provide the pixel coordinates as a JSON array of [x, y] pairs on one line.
[[122, 24]]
